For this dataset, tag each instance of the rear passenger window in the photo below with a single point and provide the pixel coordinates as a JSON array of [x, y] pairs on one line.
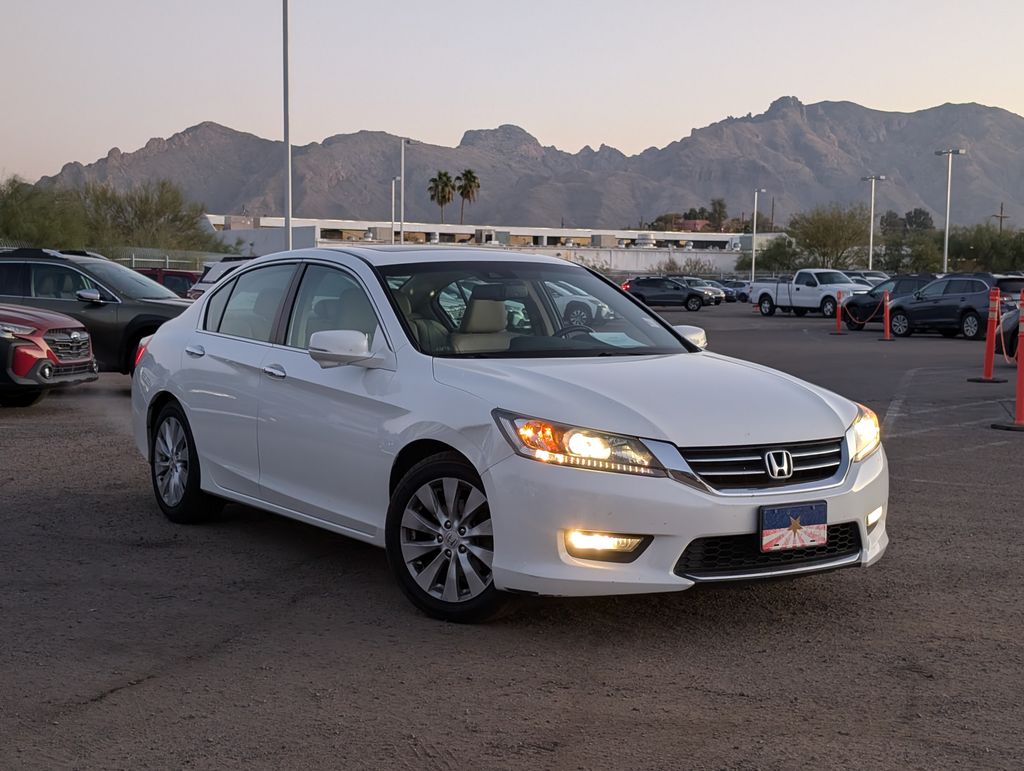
[[252, 308], [215, 307], [961, 286]]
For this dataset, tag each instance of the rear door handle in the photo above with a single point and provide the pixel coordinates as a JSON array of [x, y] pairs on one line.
[[195, 350], [275, 371]]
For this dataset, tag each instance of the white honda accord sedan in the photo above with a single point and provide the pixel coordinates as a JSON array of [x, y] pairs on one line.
[[437, 403]]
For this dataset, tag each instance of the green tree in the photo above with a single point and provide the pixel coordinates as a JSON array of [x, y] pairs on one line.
[[697, 214], [779, 256], [919, 220], [718, 214], [891, 222], [830, 236], [442, 190], [467, 185]]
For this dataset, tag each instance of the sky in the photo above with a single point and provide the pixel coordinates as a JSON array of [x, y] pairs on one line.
[[81, 76]]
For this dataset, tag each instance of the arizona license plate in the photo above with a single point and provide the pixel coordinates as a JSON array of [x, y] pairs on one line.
[[794, 527]]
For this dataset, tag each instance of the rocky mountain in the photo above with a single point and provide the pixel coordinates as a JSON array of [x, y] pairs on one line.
[[802, 154]]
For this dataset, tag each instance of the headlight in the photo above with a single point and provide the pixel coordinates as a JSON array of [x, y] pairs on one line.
[[864, 434], [565, 445], [15, 329]]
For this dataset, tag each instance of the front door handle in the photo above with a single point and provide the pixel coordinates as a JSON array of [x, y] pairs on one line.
[[275, 371], [195, 350]]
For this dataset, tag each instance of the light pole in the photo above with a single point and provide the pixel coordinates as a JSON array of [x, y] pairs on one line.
[[753, 236], [949, 188], [871, 229], [401, 178], [393, 181], [287, 137]]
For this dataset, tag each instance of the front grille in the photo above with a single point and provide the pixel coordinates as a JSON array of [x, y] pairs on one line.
[[723, 554], [72, 369], [736, 468], [67, 347]]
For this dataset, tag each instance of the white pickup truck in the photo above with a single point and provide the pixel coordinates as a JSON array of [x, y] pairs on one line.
[[811, 289]]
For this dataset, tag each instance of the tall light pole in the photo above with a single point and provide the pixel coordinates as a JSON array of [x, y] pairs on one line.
[[287, 138], [393, 181], [871, 229], [401, 179], [949, 153], [753, 236]]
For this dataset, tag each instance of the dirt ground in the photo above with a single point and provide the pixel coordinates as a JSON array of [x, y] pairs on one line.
[[257, 642]]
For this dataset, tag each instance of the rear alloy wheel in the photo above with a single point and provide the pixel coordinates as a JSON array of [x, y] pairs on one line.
[[21, 398], [828, 307], [899, 324], [694, 304], [440, 541], [970, 326], [766, 306], [577, 315], [174, 470]]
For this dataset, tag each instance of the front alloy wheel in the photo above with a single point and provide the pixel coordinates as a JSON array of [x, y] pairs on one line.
[[440, 541], [694, 304], [828, 308]]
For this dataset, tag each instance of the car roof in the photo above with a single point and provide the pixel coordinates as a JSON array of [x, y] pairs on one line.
[[400, 255], [76, 256]]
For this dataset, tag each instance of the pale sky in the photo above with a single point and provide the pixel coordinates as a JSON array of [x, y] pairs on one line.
[[82, 76]]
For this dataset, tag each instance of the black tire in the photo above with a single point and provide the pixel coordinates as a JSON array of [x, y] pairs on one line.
[[766, 305], [718, 301], [577, 315], [899, 324], [971, 327], [694, 303], [854, 326], [194, 506], [22, 398], [742, 297], [799, 312], [489, 602], [949, 332], [828, 307]]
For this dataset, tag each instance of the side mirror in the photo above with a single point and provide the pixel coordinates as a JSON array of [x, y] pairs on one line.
[[917, 295], [335, 347], [89, 295], [695, 335]]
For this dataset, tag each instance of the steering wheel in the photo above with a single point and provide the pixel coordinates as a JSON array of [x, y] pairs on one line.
[[572, 328]]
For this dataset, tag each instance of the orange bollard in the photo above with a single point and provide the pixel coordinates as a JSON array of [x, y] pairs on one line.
[[990, 341], [1018, 412], [839, 315], [885, 318]]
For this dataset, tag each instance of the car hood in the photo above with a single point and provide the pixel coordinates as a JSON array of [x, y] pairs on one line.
[[34, 317], [691, 400]]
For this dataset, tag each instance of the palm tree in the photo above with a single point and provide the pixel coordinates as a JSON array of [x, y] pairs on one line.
[[442, 190], [467, 185]]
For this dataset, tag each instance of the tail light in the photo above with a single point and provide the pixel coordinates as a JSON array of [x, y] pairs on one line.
[[626, 286], [141, 349]]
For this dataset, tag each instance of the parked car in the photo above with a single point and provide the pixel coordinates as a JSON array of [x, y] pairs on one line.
[[716, 294], [742, 288], [331, 386], [115, 304], [39, 351], [212, 273], [178, 281], [955, 304], [658, 290], [1009, 333], [729, 292], [873, 277], [812, 289], [576, 306], [861, 309]]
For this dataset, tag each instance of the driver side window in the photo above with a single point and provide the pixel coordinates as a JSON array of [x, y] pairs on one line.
[[934, 290], [56, 282], [329, 299], [807, 279]]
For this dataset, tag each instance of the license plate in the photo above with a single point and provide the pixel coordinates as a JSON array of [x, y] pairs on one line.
[[799, 526]]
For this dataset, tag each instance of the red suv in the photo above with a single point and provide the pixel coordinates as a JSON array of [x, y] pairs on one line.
[[40, 350]]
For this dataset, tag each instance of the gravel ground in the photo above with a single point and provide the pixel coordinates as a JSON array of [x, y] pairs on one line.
[[257, 642]]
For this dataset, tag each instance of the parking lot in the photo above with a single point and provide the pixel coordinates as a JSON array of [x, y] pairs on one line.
[[259, 642]]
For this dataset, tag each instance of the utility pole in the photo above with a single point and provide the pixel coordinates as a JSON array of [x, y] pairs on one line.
[[1000, 217], [949, 194], [287, 138], [871, 228]]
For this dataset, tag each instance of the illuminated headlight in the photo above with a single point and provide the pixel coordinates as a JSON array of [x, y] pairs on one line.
[[864, 435], [565, 445], [608, 547], [9, 330]]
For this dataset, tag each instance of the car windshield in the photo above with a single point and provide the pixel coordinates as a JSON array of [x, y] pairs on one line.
[[832, 277], [128, 283], [467, 309]]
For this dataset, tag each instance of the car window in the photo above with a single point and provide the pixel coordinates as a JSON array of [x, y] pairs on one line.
[[215, 306], [934, 289], [13, 278], [1012, 286], [328, 299], [805, 279], [177, 284], [252, 307], [961, 286], [832, 277], [455, 298], [57, 282], [886, 286]]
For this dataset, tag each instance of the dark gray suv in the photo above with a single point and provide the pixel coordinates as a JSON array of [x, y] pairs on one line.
[[117, 305]]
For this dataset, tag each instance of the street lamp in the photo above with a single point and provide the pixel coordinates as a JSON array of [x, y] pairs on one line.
[[949, 186], [393, 181], [401, 178], [753, 236], [287, 138], [871, 230]]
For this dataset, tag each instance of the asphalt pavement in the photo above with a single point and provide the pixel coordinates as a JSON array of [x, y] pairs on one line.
[[258, 642]]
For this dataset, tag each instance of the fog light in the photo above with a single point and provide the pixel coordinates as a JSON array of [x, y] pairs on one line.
[[46, 372], [873, 517], [610, 547]]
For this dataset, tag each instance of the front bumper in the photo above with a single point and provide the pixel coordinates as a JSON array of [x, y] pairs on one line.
[[43, 372], [533, 504]]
